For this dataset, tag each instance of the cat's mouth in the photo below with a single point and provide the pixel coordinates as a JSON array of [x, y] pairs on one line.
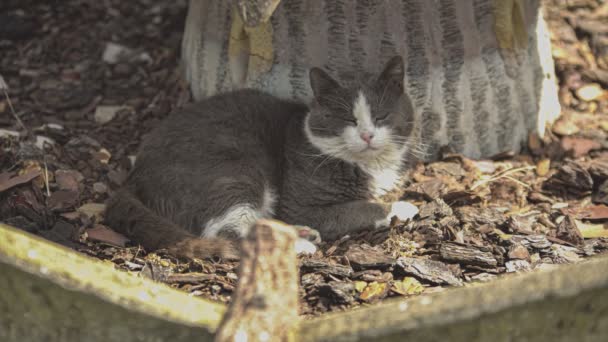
[[369, 149]]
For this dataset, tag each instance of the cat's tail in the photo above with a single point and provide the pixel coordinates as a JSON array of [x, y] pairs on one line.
[[129, 216]]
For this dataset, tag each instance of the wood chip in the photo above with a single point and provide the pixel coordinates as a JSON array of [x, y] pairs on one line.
[[568, 231], [341, 291], [365, 256], [518, 252], [434, 272], [321, 266], [570, 180], [591, 212], [467, 254]]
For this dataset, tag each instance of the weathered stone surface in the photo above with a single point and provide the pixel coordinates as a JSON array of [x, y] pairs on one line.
[[98, 303], [50, 293], [563, 304]]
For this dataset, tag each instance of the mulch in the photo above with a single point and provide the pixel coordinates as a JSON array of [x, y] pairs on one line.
[[81, 81]]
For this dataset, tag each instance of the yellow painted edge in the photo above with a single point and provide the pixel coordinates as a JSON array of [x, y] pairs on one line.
[[78, 272]]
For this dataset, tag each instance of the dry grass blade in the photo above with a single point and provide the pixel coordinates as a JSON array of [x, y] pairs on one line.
[[4, 88], [504, 174]]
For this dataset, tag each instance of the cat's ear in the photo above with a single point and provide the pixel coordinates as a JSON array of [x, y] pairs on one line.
[[393, 73], [321, 83]]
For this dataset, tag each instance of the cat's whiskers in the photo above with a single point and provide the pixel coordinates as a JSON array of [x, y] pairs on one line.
[[412, 147], [381, 102], [316, 155], [328, 157], [320, 129]]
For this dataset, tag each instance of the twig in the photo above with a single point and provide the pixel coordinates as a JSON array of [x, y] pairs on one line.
[[501, 175], [4, 88], [46, 178], [518, 182]]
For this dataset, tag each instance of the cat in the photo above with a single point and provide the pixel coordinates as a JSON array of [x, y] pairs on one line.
[[210, 170]]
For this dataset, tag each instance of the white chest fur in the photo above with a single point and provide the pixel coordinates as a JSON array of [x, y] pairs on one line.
[[384, 180]]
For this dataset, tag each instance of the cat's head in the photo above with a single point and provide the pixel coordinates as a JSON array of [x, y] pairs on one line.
[[366, 122]]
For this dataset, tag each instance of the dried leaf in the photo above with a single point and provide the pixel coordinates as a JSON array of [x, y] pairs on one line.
[[104, 234], [374, 291], [408, 286], [593, 230], [92, 209], [543, 166], [6, 182], [360, 285]]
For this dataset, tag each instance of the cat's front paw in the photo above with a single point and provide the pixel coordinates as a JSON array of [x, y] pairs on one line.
[[307, 238], [303, 246], [308, 233], [402, 209]]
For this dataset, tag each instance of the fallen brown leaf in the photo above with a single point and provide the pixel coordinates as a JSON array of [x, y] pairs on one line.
[[592, 212], [579, 146], [104, 234], [6, 182]]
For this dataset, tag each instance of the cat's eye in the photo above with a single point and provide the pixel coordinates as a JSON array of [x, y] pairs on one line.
[[353, 121], [382, 118]]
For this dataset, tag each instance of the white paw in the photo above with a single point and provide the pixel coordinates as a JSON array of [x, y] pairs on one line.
[[304, 246], [402, 209]]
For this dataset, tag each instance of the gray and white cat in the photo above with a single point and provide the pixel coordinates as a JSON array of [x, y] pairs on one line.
[[215, 167]]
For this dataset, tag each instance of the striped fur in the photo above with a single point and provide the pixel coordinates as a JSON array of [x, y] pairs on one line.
[[467, 95]]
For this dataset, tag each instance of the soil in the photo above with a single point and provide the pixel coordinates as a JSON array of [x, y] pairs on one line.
[[81, 81]]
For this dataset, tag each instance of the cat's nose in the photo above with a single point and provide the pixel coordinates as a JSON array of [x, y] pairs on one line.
[[367, 137]]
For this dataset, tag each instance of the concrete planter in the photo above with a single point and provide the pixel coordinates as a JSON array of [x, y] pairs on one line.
[[50, 293]]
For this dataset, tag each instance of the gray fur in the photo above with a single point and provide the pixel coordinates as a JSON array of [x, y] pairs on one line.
[[229, 149]]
